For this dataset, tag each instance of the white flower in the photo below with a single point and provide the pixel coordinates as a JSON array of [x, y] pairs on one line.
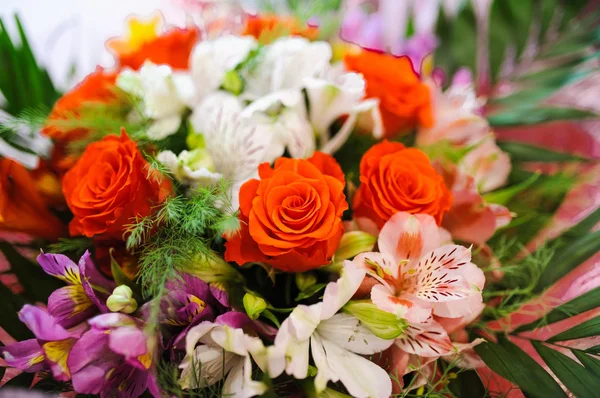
[[164, 95], [283, 114], [285, 64], [224, 351], [194, 167], [336, 342], [212, 59]]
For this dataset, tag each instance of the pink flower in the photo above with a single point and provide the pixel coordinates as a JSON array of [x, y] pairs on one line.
[[418, 278], [455, 115], [470, 218], [487, 164]]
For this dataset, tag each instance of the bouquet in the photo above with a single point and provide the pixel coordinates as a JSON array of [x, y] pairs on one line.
[[256, 207]]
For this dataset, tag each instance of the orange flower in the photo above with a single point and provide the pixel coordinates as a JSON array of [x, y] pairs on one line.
[[269, 27], [291, 217], [22, 204], [395, 178], [97, 87], [404, 100], [109, 186], [142, 41]]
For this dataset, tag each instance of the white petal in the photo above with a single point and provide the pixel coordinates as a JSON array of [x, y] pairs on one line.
[[231, 339], [162, 128], [239, 383], [271, 359], [296, 351], [324, 373], [212, 59], [196, 334], [304, 320], [349, 333], [331, 99], [339, 292], [361, 377], [206, 366]]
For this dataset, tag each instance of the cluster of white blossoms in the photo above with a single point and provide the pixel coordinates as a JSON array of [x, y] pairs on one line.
[[250, 103]]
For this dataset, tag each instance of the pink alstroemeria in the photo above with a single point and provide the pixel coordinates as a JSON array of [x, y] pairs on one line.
[[418, 278], [114, 358], [86, 293], [470, 218], [49, 350], [487, 164]]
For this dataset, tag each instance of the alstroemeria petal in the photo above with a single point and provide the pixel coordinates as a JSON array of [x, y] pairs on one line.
[[304, 319], [404, 306], [127, 381], [296, 351], [90, 360], [324, 373], [231, 339], [25, 355], [339, 292], [239, 383], [427, 340], [57, 353], [60, 266], [70, 305], [408, 236], [361, 377], [206, 366], [128, 341], [349, 333], [42, 324]]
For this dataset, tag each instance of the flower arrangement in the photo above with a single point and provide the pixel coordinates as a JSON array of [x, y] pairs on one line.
[[262, 212]]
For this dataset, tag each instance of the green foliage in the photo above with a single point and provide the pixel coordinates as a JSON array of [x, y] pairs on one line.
[[23, 82], [179, 232], [72, 246], [585, 329], [512, 363], [521, 152], [525, 115]]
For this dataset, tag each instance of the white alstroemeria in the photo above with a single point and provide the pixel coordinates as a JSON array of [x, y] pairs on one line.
[[214, 351], [336, 342], [235, 144], [211, 60], [285, 64], [194, 167], [339, 95], [164, 94], [283, 113]]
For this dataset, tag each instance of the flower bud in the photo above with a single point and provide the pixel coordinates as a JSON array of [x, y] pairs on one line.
[[121, 300], [304, 280], [383, 324], [254, 305], [352, 244], [233, 82]]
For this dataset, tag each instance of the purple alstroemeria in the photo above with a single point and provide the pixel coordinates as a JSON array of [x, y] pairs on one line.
[[190, 301], [114, 358], [86, 294], [49, 350]]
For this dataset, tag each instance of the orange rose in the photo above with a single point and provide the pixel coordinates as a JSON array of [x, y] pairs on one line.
[[269, 27], [172, 48], [23, 205], [395, 178], [291, 217], [97, 87], [404, 100], [109, 186]]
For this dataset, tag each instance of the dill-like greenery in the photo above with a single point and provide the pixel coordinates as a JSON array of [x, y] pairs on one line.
[[76, 246], [182, 230]]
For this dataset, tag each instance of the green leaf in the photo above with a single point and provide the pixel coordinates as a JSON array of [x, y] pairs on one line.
[[578, 380], [310, 291], [503, 196], [269, 315], [37, 284], [594, 350], [528, 116], [578, 305], [592, 364], [521, 152], [10, 305], [512, 363], [468, 385], [568, 258], [585, 329]]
